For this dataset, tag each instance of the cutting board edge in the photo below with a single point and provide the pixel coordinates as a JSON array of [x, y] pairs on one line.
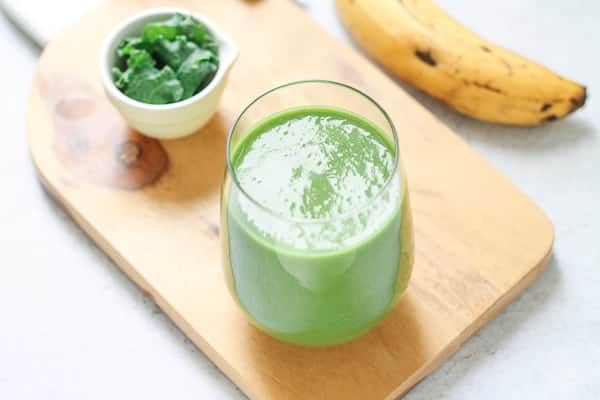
[[489, 315], [143, 284]]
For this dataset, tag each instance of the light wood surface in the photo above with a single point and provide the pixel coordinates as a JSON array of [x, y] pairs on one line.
[[153, 207]]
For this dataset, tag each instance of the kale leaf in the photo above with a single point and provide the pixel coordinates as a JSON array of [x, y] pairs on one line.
[[174, 52], [197, 70], [128, 45], [170, 61], [198, 33], [155, 86], [169, 29], [138, 61]]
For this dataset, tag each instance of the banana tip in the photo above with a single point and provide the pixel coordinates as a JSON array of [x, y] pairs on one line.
[[579, 101]]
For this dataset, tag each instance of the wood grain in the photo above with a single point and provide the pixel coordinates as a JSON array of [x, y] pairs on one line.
[[153, 207], [93, 141]]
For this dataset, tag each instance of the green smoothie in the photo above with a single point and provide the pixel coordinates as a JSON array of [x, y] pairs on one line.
[[318, 234]]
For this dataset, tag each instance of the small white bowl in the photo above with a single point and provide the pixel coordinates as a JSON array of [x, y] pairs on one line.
[[166, 121]]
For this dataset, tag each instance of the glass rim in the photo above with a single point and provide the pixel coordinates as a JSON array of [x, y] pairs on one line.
[[231, 171]]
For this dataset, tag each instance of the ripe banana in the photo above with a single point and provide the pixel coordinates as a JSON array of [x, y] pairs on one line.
[[424, 46]]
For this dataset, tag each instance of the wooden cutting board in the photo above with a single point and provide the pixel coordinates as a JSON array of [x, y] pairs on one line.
[[153, 207]]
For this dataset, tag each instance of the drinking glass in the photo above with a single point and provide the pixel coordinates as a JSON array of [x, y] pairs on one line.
[[315, 281]]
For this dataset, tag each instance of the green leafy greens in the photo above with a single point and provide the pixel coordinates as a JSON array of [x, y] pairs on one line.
[[170, 61]]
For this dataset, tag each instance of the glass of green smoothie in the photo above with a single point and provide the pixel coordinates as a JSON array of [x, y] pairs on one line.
[[317, 233]]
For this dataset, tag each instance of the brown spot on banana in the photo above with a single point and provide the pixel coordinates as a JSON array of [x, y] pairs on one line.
[[545, 107], [484, 86], [487, 86], [549, 118], [579, 101], [509, 68], [426, 57]]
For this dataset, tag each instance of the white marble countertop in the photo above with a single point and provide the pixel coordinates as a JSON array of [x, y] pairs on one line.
[[72, 326]]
